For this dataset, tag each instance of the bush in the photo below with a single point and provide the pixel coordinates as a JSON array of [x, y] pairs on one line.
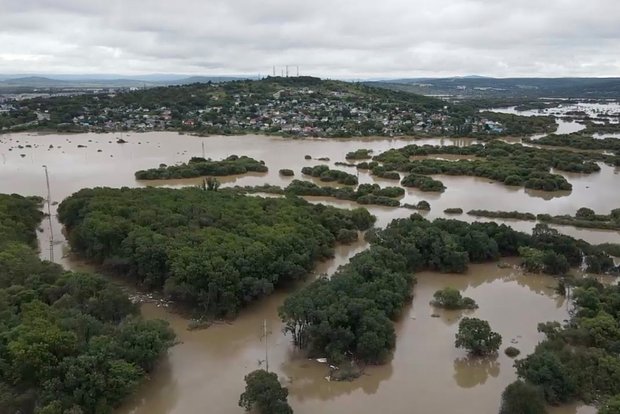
[[307, 157], [286, 172], [264, 393], [512, 352], [451, 298], [522, 398], [423, 183], [453, 210]]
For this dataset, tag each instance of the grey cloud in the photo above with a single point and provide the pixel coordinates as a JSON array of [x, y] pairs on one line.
[[332, 38]]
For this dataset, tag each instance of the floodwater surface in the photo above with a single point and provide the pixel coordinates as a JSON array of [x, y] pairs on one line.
[[204, 372]]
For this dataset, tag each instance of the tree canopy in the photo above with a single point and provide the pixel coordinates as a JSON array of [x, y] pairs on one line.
[[216, 251], [264, 393], [476, 336], [69, 342]]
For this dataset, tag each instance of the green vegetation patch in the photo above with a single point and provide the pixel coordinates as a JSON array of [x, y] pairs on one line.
[[214, 250], [199, 167], [70, 342], [324, 173]]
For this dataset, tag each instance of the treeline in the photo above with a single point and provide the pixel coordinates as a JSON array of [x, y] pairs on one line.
[[198, 167], [70, 342], [502, 214], [583, 218], [579, 361], [324, 173], [350, 315], [579, 141], [511, 164], [214, 250], [364, 194], [360, 154]]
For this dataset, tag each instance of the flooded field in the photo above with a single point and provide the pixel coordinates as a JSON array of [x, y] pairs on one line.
[[204, 373]]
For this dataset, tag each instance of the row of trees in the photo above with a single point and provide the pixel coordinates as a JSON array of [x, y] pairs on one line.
[[350, 314], [216, 251], [69, 342], [198, 167]]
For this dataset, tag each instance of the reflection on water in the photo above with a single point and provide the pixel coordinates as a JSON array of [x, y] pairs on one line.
[[472, 371], [207, 367]]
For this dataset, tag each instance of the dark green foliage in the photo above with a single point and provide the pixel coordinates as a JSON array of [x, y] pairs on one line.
[[360, 154], [19, 218], [286, 172], [264, 393], [512, 352], [453, 210], [522, 398], [69, 342], [214, 250], [547, 261], [610, 248], [511, 164], [325, 174], [502, 214], [307, 157], [585, 218], [611, 406], [579, 361], [580, 142], [476, 336], [198, 167], [350, 313], [451, 298], [365, 193], [423, 183]]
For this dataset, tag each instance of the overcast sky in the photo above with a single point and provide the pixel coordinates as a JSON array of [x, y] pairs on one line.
[[329, 38]]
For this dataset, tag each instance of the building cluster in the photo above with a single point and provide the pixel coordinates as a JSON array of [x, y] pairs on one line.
[[298, 111]]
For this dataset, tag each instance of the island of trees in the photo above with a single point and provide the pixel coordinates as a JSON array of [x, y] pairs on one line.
[[362, 299], [70, 342], [214, 250], [199, 167]]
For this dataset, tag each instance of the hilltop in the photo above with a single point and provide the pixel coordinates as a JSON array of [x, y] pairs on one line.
[[295, 106]]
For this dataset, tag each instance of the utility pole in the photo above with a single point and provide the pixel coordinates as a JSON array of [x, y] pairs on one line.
[[265, 334], [203, 149], [287, 71], [274, 71], [297, 70], [49, 213]]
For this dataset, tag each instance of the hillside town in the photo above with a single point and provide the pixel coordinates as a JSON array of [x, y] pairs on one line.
[[219, 109]]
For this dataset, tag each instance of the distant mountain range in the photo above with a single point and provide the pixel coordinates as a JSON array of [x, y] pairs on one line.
[[483, 87], [105, 81], [466, 86]]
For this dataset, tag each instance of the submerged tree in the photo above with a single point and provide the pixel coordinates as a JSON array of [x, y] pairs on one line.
[[264, 393], [476, 336], [522, 398], [451, 298]]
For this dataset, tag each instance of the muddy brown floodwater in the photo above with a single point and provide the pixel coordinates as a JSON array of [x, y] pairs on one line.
[[204, 373]]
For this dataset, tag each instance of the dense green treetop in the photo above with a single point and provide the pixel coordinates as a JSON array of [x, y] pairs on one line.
[[198, 166], [264, 393], [215, 250], [476, 336], [579, 361], [69, 342]]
